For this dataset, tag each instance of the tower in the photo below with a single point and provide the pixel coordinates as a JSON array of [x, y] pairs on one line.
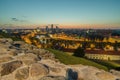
[[52, 27], [47, 29]]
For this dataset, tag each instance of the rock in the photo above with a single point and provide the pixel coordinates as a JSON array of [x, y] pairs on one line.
[[4, 40], [116, 73], [22, 74], [28, 61], [44, 54], [24, 46], [56, 70], [105, 76], [38, 70], [53, 78], [3, 50], [5, 59], [8, 68], [87, 73], [28, 56], [19, 42], [12, 53]]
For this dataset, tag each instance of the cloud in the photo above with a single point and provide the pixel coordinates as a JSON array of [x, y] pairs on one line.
[[14, 19], [18, 20]]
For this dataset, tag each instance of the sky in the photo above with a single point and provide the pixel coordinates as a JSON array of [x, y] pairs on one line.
[[64, 13]]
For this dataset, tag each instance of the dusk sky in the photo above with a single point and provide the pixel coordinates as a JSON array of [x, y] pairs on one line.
[[66, 13]]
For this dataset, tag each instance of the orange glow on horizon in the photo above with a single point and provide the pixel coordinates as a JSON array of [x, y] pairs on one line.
[[80, 26]]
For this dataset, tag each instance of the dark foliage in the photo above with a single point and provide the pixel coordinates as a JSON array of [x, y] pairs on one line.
[[79, 52], [7, 35]]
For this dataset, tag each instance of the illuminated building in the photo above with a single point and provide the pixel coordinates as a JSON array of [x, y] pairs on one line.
[[103, 55]]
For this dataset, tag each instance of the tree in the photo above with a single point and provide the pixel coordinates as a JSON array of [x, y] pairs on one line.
[[79, 52], [84, 45], [116, 46]]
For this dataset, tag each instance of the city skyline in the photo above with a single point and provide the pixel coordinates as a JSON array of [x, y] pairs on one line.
[[66, 13]]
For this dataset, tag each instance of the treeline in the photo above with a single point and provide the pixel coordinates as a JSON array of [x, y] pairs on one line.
[[14, 37], [94, 37], [56, 44]]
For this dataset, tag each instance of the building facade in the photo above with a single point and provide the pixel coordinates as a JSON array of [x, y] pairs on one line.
[[103, 55]]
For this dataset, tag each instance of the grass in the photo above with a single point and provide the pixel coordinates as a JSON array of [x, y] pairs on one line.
[[68, 59], [109, 64]]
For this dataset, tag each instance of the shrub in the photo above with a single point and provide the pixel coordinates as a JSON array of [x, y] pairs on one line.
[[79, 52]]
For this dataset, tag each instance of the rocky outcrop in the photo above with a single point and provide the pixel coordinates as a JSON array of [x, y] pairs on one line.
[[116, 73], [3, 50], [8, 68], [6, 40], [38, 69], [21, 61], [28, 58], [5, 59], [28, 61], [22, 74], [44, 54], [53, 78], [55, 70], [105, 76]]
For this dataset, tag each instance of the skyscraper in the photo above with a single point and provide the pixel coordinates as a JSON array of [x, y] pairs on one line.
[[52, 27], [47, 29]]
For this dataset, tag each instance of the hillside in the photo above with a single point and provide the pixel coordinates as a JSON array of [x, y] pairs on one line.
[[21, 61], [72, 60]]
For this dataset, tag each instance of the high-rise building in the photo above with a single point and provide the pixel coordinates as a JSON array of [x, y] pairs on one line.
[[57, 29], [52, 27], [47, 29]]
